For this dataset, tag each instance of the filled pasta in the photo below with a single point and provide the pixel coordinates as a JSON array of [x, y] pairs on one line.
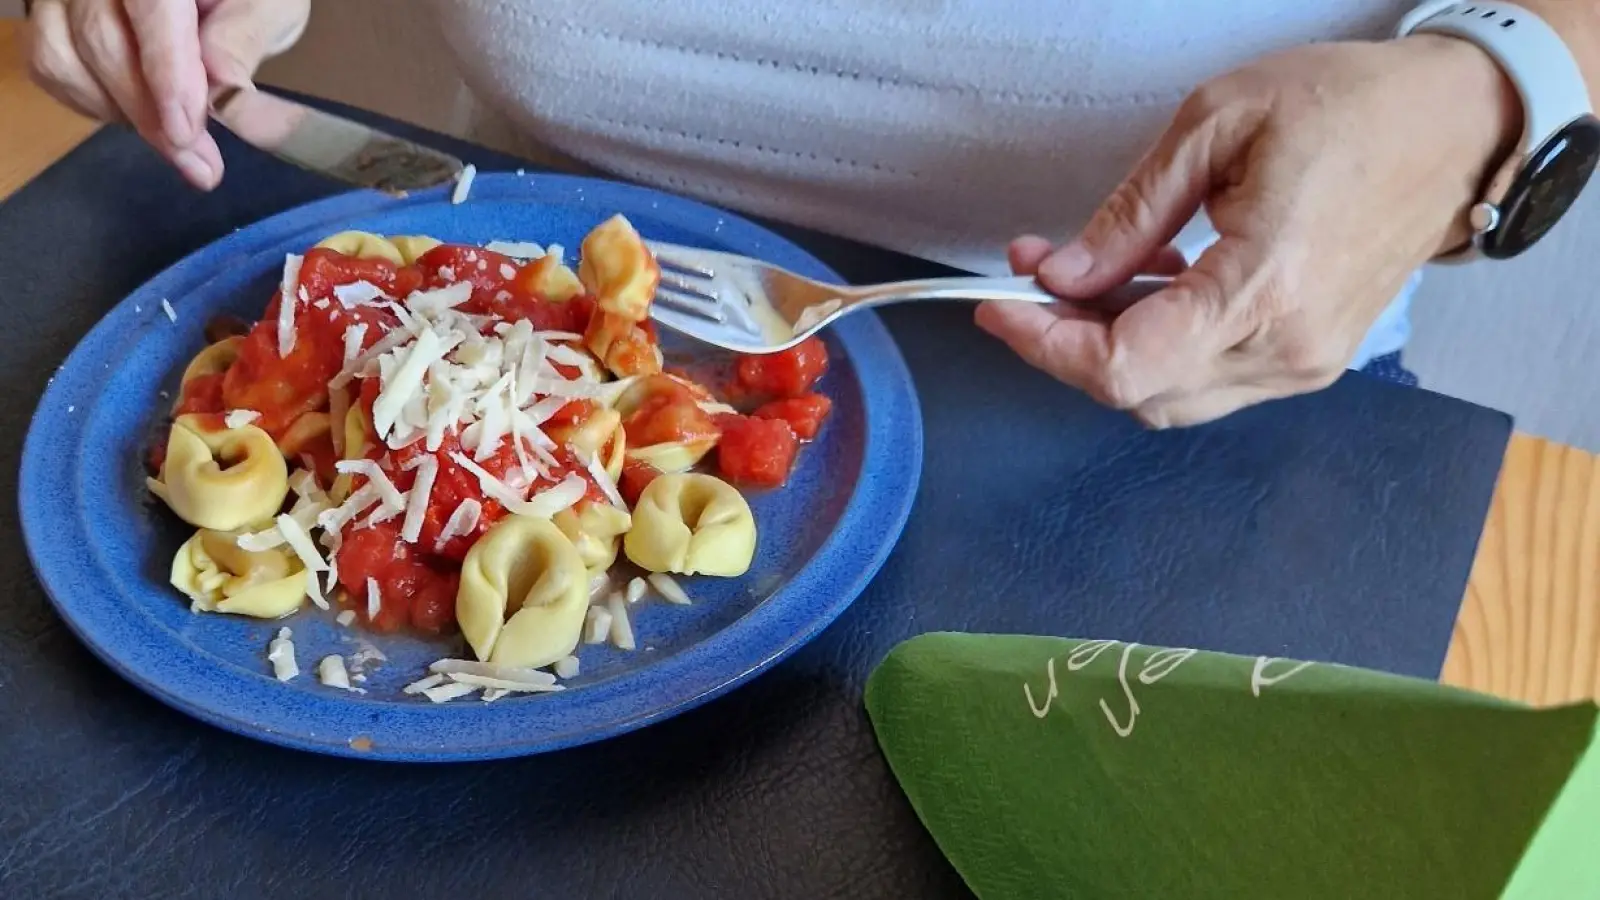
[[219, 576], [437, 437], [218, 477], [524, 593], [692, 524]]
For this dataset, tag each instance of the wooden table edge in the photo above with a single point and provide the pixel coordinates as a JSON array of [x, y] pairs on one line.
[[1529, 625]]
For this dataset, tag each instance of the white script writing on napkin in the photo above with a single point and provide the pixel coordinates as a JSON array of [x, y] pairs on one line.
[[1157, 666]]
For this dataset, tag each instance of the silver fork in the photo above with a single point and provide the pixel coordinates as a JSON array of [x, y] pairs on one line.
[[748, 306]]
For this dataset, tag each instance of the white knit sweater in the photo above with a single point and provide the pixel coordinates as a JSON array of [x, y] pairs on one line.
[[937, 127]]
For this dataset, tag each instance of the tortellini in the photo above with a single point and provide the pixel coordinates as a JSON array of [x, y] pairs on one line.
[[218, 576], [619, 270], [357, 441], [591, 435], [221, 478], [670, 457], [692, 524], [549, 278], [300, 435], [214, 360], [594, 529], [524, 594], [411, 247], [363, 245]]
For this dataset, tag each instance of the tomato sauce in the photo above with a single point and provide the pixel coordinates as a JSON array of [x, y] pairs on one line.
[[783, 375], [803, 413], [201, 394], [417, 582], [756, 452]]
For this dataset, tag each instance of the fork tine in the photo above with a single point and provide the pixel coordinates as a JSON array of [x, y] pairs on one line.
[[684, 259], [692, 287], [691, 304]]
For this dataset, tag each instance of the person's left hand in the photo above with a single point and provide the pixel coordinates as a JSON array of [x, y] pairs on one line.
[[1331, 173]]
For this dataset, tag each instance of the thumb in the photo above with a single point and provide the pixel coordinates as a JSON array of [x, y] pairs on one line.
[[236, 36], [1150, 207]]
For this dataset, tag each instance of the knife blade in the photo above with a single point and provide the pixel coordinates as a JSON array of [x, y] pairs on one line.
[[331, 145]]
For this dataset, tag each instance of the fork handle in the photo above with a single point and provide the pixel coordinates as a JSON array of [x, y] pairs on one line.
[[1019, 288]]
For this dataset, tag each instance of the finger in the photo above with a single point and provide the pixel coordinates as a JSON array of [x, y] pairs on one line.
[[167, 35], [105, 43], [1206, 406], [1150, 207], [54, 65], [1070, 344], [237, 35], [201, 162], [1169, 260], [1174, 341], [1026, 252]]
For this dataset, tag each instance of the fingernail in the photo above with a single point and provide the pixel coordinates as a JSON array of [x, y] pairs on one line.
[[194, 168], [175, 122], [1067, 264]]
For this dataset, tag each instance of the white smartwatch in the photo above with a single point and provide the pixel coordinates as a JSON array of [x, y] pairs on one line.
[[1560, 137]]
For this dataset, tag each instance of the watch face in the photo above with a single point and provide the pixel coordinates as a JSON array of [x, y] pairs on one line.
[[1545, 188]]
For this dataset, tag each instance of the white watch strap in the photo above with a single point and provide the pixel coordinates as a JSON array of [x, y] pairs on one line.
[[1530, 51]]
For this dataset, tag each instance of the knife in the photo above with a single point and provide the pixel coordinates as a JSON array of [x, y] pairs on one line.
[[331, 145]]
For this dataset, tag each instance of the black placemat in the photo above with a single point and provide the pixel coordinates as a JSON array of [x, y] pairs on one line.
[[1339, 526]]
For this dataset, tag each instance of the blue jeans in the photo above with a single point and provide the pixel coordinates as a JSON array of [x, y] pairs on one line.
[[1389, 368]]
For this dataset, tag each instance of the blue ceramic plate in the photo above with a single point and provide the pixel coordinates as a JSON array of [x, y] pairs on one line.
[[102, 547]]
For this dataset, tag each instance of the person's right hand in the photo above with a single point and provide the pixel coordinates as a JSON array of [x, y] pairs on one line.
[[155, 63]]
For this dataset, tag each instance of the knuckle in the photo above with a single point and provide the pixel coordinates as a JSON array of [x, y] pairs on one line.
[[1114, 386], [1128, 208], [1308, 354], [101, 37]]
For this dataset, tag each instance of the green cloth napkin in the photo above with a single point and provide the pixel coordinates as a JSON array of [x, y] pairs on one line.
[[1049, 767]]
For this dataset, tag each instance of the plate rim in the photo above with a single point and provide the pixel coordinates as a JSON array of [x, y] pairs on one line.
[[881, 506]]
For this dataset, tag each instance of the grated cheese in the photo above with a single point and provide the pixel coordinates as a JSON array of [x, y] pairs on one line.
[[456, 668], [504, 685], [547, 503], [567, 668], [637, 588], [314, 590], [334, 520], [258, 541], [280, 652], [166, 307], [360, 293], [290, 298], [621, 628], [353, 337], [417, 500], [346, 617], [461, 522], [374, 600], [377, 478], [607, 486], [490, 485], [444, 693], [422, 684], [464, 184], [668, 588], [407, 379], [299, 540], [597, 625], [518, 249], [440, 299], [331, 672]]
